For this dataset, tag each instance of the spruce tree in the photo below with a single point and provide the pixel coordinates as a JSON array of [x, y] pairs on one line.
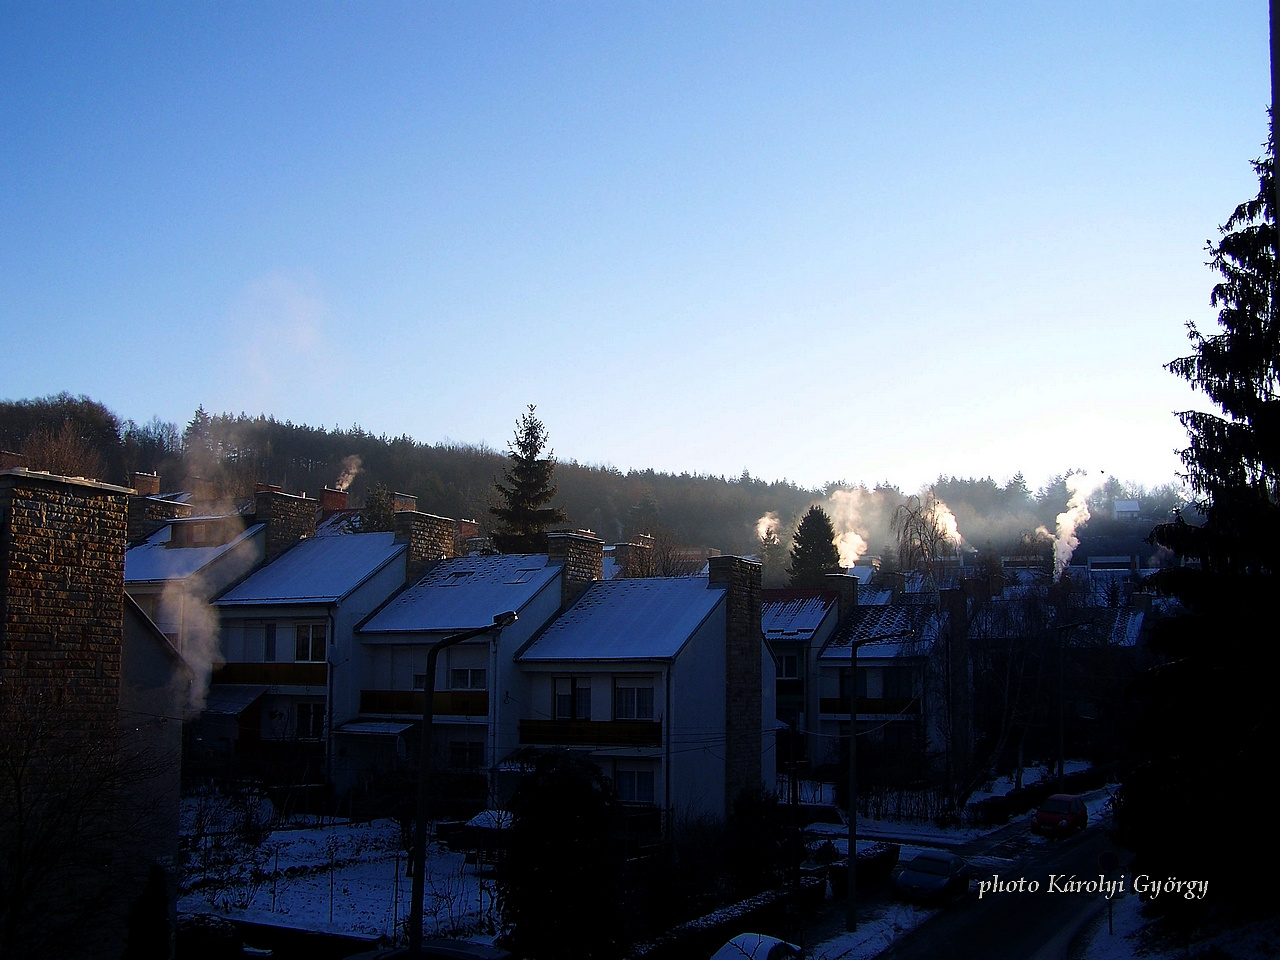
[[813, 549], [524, 512], [1207, 710]]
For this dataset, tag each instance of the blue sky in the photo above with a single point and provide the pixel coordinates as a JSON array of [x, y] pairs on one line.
[[821, 241]]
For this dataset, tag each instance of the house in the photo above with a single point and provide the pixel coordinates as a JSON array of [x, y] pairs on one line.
[[914, 690], [666, 683], [91, 699], [797, 623], [376, 726], [286, 643]]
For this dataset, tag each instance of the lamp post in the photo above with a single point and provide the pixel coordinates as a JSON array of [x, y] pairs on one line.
[[419, 856], [851, 907]]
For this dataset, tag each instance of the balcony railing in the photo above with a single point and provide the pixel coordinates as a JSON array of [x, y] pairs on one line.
[[273, 674], [591, 733], [447, 703], [909, 706]]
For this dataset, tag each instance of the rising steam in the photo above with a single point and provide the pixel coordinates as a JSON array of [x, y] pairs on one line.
[[1065, 541], [184, 607], [767, 527], [350, 467]]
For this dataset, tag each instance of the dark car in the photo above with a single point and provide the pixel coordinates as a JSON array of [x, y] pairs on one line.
[[1060, 815], [440, 950], [933, 877]]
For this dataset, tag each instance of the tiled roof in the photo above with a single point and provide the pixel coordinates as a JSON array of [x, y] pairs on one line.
[[794, 614], [900, 629], [317, 570], [647, 619], [465, 592]]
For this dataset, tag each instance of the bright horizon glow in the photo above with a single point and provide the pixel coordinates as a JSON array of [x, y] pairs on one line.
[[822, 243]]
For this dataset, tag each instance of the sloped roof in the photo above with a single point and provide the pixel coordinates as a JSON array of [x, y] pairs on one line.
[[464, 593], [899, 629], [646, 619], [794, 614], [317, 570], [154, 559]]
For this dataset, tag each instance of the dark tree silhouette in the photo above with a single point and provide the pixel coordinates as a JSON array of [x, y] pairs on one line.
[[524, 512], [379, 514], [813, 549], [560, 879], [1208, 708]]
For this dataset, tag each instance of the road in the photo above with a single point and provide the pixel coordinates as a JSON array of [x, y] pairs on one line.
[[1018, 926]]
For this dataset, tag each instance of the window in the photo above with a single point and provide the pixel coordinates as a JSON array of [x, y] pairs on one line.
[[310, 644], [467, 678], [419, 681], [310, 721], [464, 755], [633, 700], [788, 665], [269, 643], [634, 786], [572, 699]]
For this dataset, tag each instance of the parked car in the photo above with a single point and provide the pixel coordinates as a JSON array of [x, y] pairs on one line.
[[756, 946], [440, 950], [1060, 815], [933, 877]]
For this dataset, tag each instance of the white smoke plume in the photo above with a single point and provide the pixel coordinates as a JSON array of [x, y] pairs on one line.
[[944, 520], [350, 467], [859, 517], [851, 546], [767, 526], [184, 612], [1065, 541]]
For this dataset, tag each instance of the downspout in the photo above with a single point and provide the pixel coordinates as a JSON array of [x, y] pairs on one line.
[[328, 700], [666, 748], [493, 719]]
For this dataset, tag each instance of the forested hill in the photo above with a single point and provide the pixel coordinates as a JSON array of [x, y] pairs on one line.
[[78, 436]]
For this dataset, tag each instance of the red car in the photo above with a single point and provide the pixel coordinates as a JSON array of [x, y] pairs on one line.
[[1060, 814]]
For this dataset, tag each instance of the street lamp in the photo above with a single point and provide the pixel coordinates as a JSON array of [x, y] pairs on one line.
[[851, 907], [419, 858]]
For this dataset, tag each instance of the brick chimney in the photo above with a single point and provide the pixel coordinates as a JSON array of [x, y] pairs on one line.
[[146, 484], [62, 546], [288, 518], [331, 501], [960, 677], [582, 556], [406, 502], [847, 588], [430, 539], [744, 695], [463, 532], [147, 514], [634, 559]]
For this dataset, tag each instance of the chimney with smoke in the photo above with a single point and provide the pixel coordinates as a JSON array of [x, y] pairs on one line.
[[332, 501], [846, 588]]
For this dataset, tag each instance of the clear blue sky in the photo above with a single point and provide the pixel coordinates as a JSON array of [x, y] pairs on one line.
[[862, 241]]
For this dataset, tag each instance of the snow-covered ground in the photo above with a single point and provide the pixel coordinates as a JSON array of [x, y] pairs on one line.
[[343, 877]]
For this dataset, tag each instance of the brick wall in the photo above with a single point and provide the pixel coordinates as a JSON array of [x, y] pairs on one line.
[[583, 560], [288, 518], [147, 515], [430, 538], [744, 694], [847, 589], [62, 546]]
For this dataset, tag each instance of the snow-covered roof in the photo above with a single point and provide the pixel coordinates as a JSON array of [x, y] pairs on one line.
[[647, 619], [317, 570], [465, 592], [794, 614], [373, 728], [230, 700], [888, 631], [154, 559]]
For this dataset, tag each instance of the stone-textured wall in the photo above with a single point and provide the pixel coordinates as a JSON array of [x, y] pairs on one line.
[[744, 693], [583, 560], [288, 518], [430, 539], [62, 546], [147, 515], [634, 559]]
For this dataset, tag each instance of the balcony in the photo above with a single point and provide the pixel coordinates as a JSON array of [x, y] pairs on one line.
[[447, 703], [273, 674], [591, 733], [905, 706]]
